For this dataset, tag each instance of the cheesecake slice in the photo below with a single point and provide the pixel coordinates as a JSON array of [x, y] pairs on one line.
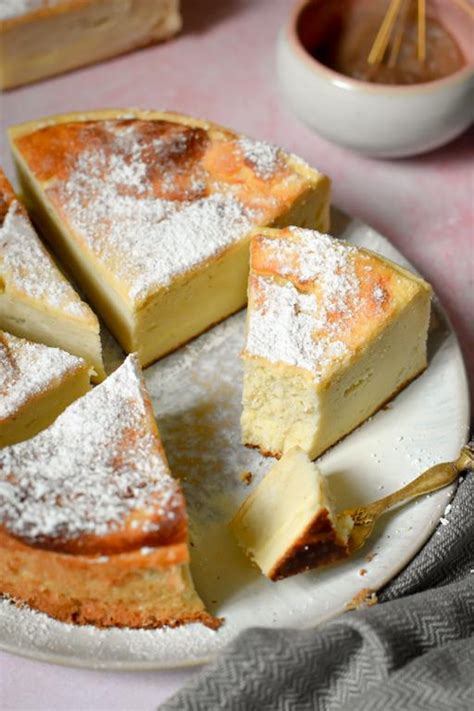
[[36, 384], [152, 214], [37, 302], [333, 333], [93, 528], [288, 525], [40, 38]]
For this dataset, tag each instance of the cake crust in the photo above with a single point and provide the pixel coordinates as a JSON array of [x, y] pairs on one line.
[[317, 546], [93, 528], [103, 590]]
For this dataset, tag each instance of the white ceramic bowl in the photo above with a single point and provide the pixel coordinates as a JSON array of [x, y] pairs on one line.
[[374, 119]]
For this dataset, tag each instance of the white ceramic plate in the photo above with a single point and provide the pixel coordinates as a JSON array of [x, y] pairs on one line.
[[196, 395]]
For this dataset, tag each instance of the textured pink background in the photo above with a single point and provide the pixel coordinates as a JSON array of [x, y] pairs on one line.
[[222, 68]]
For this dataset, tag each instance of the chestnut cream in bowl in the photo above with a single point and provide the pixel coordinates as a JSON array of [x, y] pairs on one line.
[[396, 107]]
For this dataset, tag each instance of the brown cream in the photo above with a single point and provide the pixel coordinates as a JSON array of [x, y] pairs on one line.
[[340, 35]]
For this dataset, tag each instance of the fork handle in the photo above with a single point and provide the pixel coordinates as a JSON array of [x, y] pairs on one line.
[[436, 477]]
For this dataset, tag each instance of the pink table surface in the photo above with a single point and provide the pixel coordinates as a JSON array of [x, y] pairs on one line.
[[222, 67]]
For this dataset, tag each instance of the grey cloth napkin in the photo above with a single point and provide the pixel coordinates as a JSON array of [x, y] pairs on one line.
[[412, 652]]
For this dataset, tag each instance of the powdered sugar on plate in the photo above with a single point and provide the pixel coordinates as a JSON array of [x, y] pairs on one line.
[[53, 640], [27, 268], [28, 369], [96, 464]]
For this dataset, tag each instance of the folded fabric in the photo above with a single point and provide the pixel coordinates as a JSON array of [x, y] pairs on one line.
[[414, 651]]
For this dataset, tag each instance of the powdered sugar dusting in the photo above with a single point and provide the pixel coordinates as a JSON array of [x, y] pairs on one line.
[[147, 240], [158, 241], [28, 369], [145, 201], [15, 8], [310, 255], [264, 157], [26, 267], [91, 468], [379, 295], [303, 329], [283, 324]]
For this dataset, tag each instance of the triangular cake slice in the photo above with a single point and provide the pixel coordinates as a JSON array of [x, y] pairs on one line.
[[152, 213], [93, 528], [333, 333], [36, 384], [288, 524], [36, 300]]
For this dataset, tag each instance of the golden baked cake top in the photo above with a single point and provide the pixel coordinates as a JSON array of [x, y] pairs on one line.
[[316, 301], [26, 268], [28, 369], [96, 480], [153, 196]]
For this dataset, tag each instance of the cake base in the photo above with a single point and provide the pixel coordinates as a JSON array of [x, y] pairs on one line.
[[146, 588]]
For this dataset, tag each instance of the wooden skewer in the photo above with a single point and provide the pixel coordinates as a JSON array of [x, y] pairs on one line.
[[466, 6], [383, 36], [421, 30], [393, 18], [397, 42]]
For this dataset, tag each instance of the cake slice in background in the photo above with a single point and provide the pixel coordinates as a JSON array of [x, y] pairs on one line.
[[333, 332], [287, 524], [36, 384], [40, 38], [152, 213], [37, 302], [93, 528]]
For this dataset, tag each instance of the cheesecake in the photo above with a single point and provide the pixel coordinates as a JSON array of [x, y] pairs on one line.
[[37, 302], [93, 528], [288, 525], [40, 38], [152, 214], [333, 333], [36, 384]]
